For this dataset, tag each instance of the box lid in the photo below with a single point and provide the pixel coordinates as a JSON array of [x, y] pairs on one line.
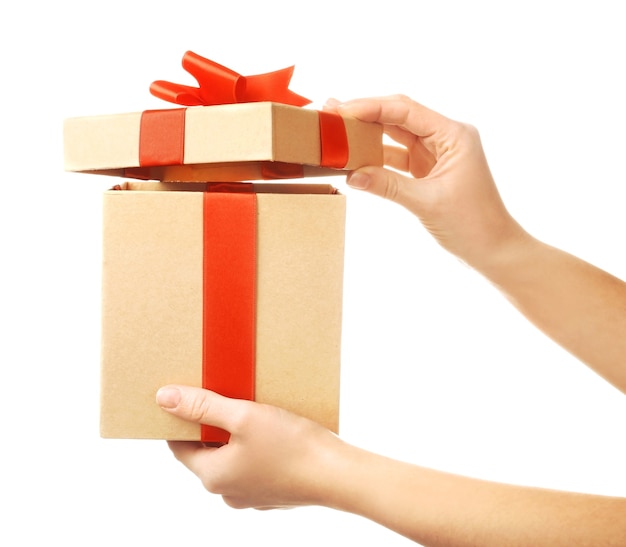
[[232, 142], [233, 128]]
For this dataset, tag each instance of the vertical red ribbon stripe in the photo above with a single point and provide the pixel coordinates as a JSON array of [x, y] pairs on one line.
[[162, 137], [229, 318], [333, 140]]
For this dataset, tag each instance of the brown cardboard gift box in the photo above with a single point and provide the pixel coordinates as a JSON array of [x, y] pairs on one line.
[[153, 305], [154, 319]]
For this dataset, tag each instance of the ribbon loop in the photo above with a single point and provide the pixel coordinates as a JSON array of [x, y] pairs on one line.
[[218, 84]]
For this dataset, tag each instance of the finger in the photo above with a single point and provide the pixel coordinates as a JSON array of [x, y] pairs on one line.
[[395, 110], [386, 184], [185, 451], [400, 135], [396, 157], [194, 456], [331, 105], [199, 405]]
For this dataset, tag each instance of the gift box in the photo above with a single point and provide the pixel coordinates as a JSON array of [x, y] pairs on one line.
[[241, 295], [233, 142], [209, 280]]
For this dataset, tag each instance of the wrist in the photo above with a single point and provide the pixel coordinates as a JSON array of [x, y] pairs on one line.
[[353, 480], [332, 473], [505, 255]]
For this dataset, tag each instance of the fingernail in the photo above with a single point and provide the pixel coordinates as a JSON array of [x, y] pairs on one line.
[[168, 397], [332, 102], [358, 180]]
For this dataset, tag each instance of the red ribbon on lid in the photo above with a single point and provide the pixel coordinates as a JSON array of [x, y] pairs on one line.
[[218, 84]]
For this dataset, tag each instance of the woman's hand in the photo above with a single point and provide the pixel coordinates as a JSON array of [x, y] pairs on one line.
[[448, 185], [440, 173], [273, 459]]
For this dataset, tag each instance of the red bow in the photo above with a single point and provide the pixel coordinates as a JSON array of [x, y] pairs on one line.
[[220, 85]]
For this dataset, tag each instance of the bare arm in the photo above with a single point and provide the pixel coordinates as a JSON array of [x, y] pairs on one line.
[[581, 307], [437, 509], [440, 174], [275, 459]]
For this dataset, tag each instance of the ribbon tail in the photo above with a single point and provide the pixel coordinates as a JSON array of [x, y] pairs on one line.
[[176, 93], [273, 86]]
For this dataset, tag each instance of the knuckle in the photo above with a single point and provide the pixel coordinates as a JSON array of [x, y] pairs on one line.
[[211, 484], [458, 136], [235, 502], [198, 407], [391, 189], [470, 130], [465, 131], [240, 416], [217, 480], [402, 97]]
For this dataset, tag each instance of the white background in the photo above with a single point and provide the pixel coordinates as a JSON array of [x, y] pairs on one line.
[[437, 368]]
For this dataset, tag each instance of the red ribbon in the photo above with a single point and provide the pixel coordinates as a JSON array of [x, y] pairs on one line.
[[162, 137], [162, 132], [333, 140], [229, 286], [220, 85]]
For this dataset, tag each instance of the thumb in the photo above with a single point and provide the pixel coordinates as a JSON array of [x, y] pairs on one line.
[[195, 404], [386, 184]]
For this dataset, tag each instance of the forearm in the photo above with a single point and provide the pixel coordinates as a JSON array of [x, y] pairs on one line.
[[441, 509], [579, 306]]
